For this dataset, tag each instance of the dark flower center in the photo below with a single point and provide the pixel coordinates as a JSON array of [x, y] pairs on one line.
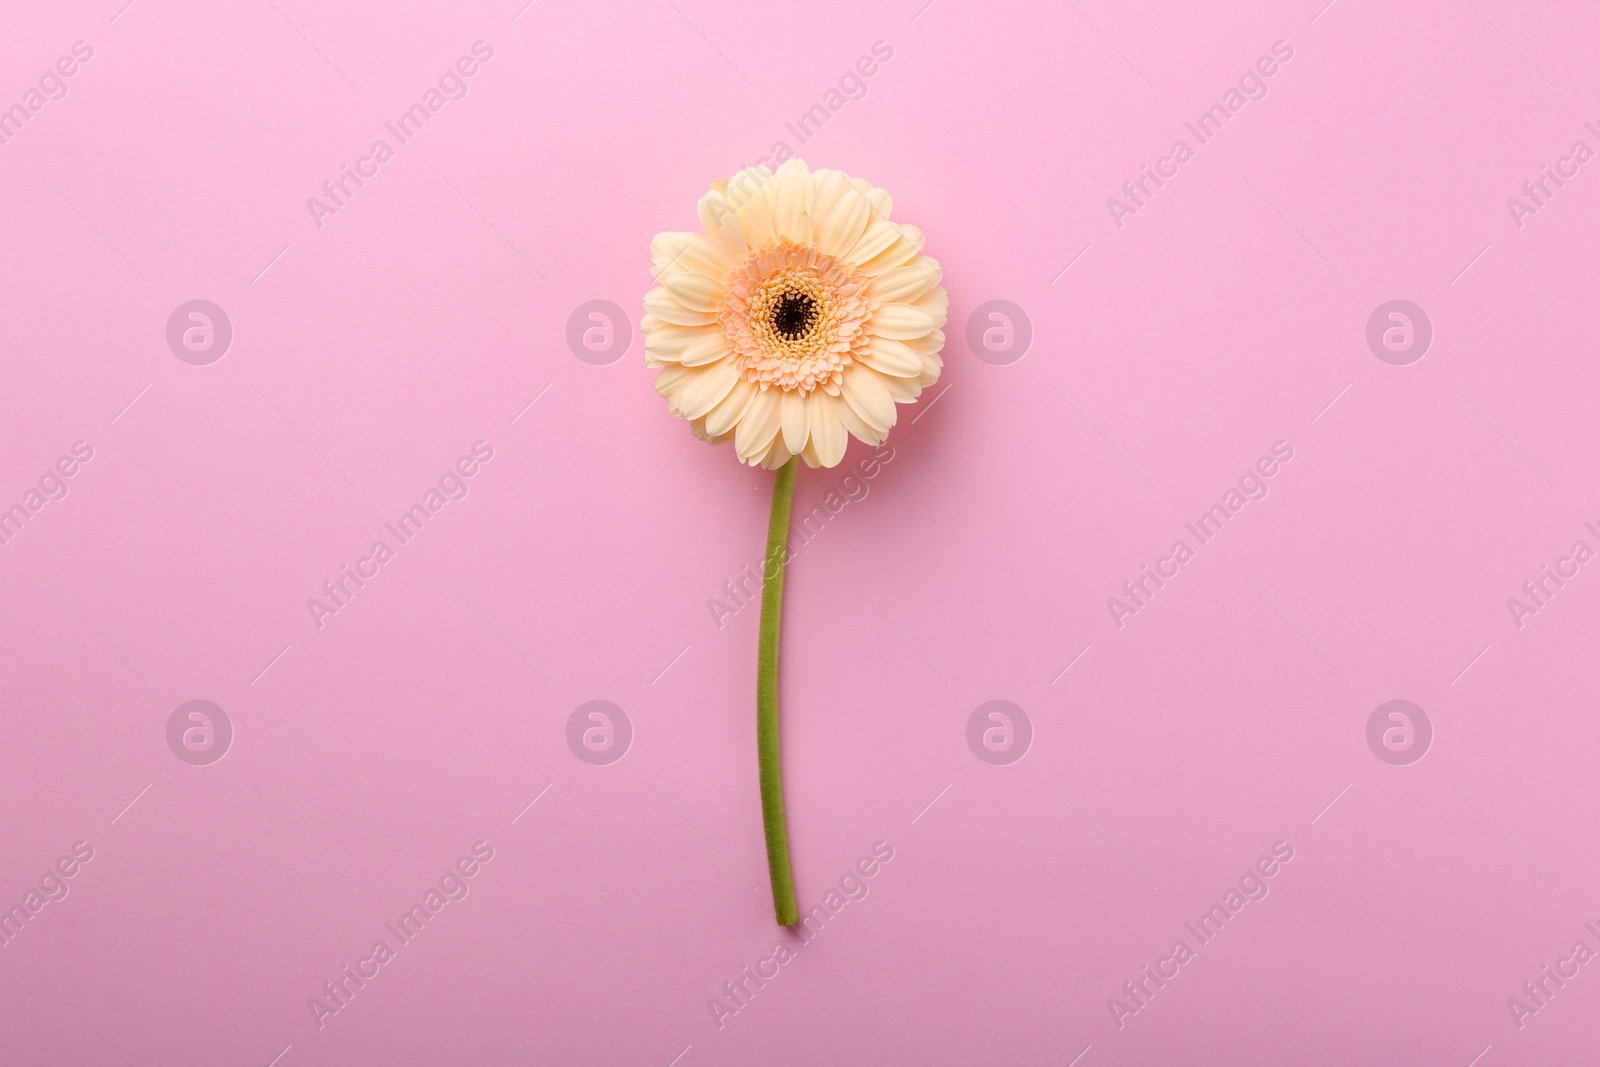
[[793, 314]]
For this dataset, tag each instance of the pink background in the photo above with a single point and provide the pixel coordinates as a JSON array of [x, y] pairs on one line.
[[369, 354]]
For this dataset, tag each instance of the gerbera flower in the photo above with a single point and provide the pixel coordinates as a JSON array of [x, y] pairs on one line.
[[802, 316]]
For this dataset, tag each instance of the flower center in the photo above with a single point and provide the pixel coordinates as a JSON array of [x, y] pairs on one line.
[[793, 314], [794, 317]]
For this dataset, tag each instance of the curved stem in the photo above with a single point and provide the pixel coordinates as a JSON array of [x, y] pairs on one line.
[[767, 699]]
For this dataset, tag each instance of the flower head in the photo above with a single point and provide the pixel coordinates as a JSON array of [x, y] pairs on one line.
[[800, 317]]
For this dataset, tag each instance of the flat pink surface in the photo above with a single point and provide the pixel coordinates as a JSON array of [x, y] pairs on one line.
[[1176, 341]]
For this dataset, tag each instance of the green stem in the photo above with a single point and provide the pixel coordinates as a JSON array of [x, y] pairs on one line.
[[767, 699]]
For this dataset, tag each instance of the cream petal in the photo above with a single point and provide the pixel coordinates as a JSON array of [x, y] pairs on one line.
[[769, 195], [868, 397], [828, 436], [704, 433], [903, 390], [879, 235], [669, 383], [667, 341], [844, 225], [897, 254], [705, 387], [931, 366], [792, 420], [757, 425], [718, 219], [708, 348], [899, 321], [928, 344], [661, 304], [853, 423], [725, 416], [828, 187], [749, 192], [694, 291], [677, 250], [888, 356], [792, 200], [904, 284], [882, 203], [777, 454], [809, 454], [935, 303], [805, 229]]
